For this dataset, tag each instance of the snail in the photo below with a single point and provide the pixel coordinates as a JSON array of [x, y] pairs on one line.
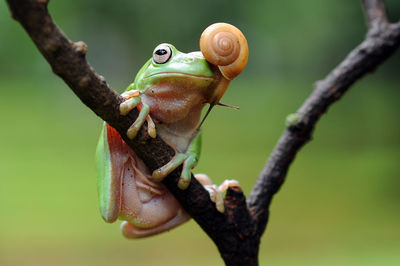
[[224, 46]]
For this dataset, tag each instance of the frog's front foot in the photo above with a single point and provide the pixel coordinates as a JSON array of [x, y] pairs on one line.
[[133, 100], [189, 161]]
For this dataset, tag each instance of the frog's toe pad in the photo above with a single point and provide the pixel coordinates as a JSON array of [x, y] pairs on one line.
[[216, 197], [128, 105], [216, 192], [203, 179], [227, 184], [160, 173], [133, 130]]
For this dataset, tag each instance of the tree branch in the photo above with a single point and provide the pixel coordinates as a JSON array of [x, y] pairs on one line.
[[67, 60], [366, 57], [375, 13], [237, 232]]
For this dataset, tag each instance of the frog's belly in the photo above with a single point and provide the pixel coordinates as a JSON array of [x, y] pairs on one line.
[[179, 140], [171, 103], [167, 112]]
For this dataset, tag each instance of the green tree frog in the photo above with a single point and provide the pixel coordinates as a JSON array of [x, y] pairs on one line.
[[170, 91]]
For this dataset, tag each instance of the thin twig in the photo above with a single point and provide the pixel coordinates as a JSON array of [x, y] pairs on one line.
[[366, 57], [375, 12]]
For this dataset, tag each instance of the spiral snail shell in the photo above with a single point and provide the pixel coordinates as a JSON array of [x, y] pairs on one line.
[[224, 45]]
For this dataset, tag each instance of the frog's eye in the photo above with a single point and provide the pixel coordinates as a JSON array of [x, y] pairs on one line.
[[162, 53]]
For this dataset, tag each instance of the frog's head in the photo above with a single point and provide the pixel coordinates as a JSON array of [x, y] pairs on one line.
[[185, 82], [176, 70]]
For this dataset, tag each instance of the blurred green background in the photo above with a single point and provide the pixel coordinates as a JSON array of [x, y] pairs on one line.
[[340, 204]]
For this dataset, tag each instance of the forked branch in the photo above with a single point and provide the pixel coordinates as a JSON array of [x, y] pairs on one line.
[[375, 13], [381, 42]]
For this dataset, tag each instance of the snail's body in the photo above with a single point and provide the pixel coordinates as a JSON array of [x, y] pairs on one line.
[[170, 91]]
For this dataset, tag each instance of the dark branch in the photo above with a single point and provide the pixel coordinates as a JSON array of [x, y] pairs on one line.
[[67, 60], [375, 49]]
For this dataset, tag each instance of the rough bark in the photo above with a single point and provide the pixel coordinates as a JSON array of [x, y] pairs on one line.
[[237, 232]]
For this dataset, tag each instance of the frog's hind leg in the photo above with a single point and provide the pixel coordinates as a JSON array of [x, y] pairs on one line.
[[131, 231], [216, 192], [111, 155]]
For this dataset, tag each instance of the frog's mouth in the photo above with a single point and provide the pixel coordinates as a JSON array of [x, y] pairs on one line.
[[180, 74]]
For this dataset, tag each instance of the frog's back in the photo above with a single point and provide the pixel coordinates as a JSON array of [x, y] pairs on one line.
[[109, 172]]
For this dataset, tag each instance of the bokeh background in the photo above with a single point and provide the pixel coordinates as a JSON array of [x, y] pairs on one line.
[[341, 201]]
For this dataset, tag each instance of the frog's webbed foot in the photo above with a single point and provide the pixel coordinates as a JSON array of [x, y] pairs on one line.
[[216, 192], [133, 100]]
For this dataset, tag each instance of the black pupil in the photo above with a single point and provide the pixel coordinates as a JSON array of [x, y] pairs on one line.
[[161, 52]]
